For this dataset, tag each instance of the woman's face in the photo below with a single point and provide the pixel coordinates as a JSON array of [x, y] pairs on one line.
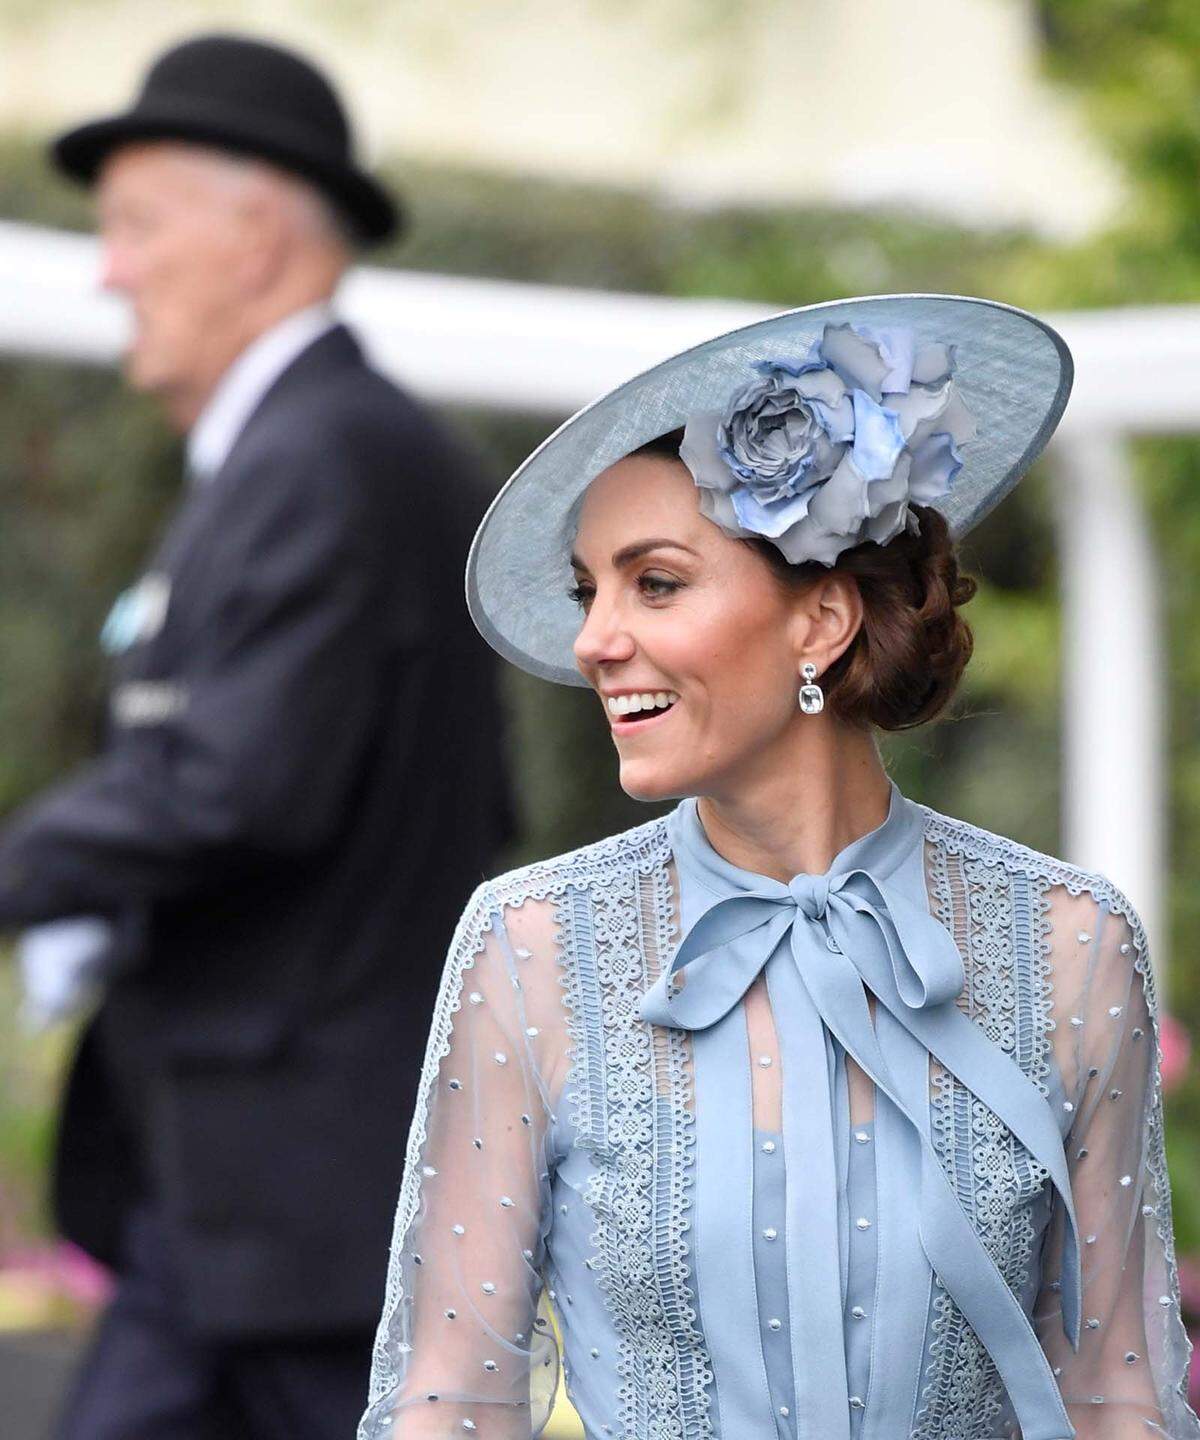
[[675, 610]]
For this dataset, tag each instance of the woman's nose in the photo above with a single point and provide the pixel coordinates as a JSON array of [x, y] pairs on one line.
[[603, 637]]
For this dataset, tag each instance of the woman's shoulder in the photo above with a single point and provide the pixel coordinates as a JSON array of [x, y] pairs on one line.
[[636, 851], [955, 837], [518, 912]]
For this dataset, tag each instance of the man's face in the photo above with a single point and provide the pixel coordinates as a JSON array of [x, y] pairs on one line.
[[179, 243]]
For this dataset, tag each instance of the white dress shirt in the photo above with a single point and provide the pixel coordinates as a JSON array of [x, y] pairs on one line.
[[245, 383]]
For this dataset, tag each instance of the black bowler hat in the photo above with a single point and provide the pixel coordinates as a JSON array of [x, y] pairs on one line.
[[252, 98]]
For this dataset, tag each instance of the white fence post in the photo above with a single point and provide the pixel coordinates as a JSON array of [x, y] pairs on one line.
[[1113, 682]]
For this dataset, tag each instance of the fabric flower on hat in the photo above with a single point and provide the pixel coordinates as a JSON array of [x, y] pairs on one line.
[[819, 455]]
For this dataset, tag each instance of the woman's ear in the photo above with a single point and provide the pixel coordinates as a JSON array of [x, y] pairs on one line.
[[828, 615]]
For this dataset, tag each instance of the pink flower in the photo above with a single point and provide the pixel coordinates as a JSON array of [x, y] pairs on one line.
[[1176, 1050], [1194, 1371], [1189, 1284], [64, 1269]]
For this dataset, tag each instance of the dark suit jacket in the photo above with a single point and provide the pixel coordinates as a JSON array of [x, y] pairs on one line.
[[301, 784]]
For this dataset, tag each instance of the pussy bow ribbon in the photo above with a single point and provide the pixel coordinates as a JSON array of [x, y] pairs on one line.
[[820, 939]]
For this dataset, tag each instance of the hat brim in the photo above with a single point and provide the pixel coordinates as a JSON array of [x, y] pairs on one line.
[[371, 212], [1013, 371]]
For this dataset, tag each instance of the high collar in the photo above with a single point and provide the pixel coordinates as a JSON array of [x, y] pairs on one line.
[[733, 920], [893, 851]]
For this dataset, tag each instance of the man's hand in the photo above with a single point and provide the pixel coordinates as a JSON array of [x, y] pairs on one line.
[[64, 964]]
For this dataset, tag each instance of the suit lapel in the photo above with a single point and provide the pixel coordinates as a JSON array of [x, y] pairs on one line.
[[181, 549]]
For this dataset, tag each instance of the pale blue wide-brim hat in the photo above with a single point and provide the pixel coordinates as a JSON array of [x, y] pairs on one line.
[[1012, 371]]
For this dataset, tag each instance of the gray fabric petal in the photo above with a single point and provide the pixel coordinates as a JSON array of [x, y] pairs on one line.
[[881, 493], [824, 385], [807, 541], [700, 452], [934, 467], [917, 407], [953, 419], [840, 505], [897, 344], [856, 360], [771, 520], [933, 365], [888, 523], [716, 506]]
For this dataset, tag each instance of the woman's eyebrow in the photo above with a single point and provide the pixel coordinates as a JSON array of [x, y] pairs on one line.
[[629, 553]]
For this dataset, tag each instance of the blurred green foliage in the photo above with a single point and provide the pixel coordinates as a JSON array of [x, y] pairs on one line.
[[87, 472], [28, 1066], [1136, 64]]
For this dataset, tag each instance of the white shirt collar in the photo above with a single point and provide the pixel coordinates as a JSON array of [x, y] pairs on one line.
[[245, 383]]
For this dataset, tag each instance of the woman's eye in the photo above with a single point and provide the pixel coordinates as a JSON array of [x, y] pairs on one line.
[[654, 587]]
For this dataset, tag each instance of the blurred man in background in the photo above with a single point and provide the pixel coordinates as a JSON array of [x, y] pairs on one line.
[[300, 785]]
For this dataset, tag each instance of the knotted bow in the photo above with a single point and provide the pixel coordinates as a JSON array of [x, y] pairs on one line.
[[820, 940]]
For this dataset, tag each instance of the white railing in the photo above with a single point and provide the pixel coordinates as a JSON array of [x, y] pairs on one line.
[[549, 349]]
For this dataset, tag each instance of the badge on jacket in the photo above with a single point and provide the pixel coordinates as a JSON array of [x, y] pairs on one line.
[[137, 615]]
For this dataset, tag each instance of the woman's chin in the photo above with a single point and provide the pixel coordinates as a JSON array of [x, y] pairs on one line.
[[643, 781]]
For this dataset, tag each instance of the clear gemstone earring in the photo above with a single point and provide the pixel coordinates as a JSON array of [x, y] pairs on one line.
[[812, 697]]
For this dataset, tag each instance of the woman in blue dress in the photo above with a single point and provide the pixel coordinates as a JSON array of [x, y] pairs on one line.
[[810, 1112]]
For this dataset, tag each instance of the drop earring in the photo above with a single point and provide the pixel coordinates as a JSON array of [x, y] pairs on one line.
[[812, 697]]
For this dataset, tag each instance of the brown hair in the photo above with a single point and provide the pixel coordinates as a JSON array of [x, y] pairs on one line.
[[903, 666]]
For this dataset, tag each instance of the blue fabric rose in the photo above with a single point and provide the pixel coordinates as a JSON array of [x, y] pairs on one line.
[[820, 455]]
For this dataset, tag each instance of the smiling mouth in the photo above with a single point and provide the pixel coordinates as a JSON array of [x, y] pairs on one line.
[[633, 712]]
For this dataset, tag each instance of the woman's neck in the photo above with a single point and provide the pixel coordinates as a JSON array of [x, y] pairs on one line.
[[794, 819]]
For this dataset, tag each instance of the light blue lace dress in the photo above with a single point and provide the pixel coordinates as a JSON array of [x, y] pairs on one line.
[[875, 1154]]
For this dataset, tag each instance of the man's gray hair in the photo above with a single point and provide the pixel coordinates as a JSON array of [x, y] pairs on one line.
[[309, 211]]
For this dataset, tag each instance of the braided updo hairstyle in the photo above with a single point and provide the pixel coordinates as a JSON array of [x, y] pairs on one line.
[[904, 665]]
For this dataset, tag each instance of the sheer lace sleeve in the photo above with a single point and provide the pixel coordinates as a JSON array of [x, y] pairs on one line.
[[460, 1348], [1129, 1376]]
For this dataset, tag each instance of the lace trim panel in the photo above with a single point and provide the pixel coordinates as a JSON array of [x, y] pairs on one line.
[[630, 1086], [991, 914]]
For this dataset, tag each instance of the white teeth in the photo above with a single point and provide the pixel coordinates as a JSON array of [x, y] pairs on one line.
[[635, 704]]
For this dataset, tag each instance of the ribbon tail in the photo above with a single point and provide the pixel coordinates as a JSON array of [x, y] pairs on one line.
[[813, 1238], [990, 1307], [903, 1277]]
